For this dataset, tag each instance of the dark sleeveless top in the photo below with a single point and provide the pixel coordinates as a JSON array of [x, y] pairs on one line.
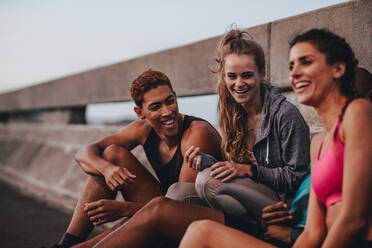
[[169, 173]]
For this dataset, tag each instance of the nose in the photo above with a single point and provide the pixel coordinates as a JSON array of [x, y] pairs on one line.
[[239, 81], [295, 72], [165, 110]]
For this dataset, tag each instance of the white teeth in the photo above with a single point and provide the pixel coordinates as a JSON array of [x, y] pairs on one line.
[[241, 91], [302, 84], [169, 122]]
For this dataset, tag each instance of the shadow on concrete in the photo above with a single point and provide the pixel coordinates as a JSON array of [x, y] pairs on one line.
[[27, 223]]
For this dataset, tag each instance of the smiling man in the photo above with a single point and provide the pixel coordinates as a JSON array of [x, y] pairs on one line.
[[165, 135]]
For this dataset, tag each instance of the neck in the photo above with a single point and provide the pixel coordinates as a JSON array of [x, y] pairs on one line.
[[329, 110], [254, 106]]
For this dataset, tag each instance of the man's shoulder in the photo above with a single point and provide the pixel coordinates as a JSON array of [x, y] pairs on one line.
[[138, 129]]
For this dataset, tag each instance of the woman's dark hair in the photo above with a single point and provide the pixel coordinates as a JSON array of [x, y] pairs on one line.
[[336, 49]]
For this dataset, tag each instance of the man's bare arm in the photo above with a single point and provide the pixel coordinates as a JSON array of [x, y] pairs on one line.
[[90, 157], [202, 135]]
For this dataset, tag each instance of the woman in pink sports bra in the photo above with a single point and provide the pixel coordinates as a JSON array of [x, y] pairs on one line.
[[322, 69]]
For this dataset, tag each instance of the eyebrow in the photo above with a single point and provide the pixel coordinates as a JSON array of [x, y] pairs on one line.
[[302, 58], [166, 99]]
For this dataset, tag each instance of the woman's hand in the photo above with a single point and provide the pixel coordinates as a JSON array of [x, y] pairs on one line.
[[103, 211], [192, 158], [117, 177], [227, 170]]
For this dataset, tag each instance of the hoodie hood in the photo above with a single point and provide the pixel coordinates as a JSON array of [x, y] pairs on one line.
[[272, 99]]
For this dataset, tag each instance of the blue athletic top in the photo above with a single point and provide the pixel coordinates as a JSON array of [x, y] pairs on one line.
[[299, 203]]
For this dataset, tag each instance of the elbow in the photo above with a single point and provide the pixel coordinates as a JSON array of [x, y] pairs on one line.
[[79, 155], [80, 158]]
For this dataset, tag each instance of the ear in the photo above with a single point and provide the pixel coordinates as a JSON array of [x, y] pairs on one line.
[[139, 113], [339, 70]]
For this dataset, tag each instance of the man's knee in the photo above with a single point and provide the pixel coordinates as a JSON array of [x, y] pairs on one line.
[[157, 209], [199, 230], [114, 153]]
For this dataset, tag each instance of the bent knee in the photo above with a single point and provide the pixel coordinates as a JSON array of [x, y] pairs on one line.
[[201, 181], [114, 153], [200, 229], [205, 185], [157, 207], [183, 192]]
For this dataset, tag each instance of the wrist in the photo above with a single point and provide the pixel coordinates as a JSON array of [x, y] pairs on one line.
[[253, 170], [104, 167]]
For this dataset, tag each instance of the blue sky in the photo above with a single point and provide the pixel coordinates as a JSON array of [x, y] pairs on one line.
[[41, 40]]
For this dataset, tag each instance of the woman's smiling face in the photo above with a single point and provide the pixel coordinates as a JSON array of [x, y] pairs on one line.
[[242, 77], [311, 77]]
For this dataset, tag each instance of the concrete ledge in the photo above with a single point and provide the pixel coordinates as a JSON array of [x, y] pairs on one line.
[[39, 159], [189, 66]]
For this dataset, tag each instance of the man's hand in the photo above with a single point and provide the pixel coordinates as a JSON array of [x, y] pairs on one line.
[[102, 211], [192, 158], [276, 214], [227, 170], [117, 177]]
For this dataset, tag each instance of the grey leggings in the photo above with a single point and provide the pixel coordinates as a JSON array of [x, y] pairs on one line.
[[238, 197]]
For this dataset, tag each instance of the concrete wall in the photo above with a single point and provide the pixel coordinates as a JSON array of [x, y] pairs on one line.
[[189, 66], [38, 157]]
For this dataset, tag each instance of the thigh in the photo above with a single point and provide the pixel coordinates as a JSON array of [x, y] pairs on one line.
[[258, 187], [145, 186]]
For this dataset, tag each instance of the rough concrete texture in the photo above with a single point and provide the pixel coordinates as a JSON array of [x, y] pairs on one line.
[[351, 20], [39, 159], [189, 66]]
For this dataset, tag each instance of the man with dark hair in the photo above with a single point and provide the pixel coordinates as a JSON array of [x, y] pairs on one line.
[[165, 135]]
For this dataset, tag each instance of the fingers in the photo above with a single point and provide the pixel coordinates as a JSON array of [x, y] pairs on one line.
[[192, 158], [276, 217], [278, 220], [275, 207], [119, 178], [223, 171]]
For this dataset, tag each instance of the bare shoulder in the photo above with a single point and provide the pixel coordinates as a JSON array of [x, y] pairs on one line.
[[357, 118], [358, 106], [358, 114], [202, 129], [135, 132], [203, 135]]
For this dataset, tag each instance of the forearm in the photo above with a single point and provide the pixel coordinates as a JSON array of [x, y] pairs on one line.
[[90, 160]]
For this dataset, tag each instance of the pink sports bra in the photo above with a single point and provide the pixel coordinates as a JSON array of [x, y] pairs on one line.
[[327, 171]]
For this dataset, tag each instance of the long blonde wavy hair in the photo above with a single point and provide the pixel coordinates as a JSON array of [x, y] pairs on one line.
[[232, 116]]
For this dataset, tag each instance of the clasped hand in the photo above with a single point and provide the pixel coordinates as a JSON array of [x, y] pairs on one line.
[[223, 171], [102, 211], [117, 177]]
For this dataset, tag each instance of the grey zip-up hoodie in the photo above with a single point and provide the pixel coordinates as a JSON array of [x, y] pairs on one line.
[[282, 146]]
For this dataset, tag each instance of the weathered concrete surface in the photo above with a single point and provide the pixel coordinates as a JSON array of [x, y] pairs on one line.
[[351, 20], [189, 66], [27, 223], [39, 159]]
